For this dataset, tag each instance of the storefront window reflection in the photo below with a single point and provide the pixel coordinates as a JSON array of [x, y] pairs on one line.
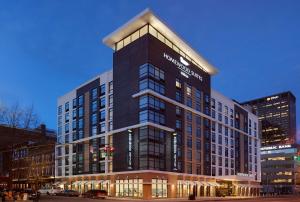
[[159, 188], [129, 188]]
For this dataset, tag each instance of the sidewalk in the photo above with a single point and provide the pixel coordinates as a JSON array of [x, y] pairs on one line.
[[186, 199]]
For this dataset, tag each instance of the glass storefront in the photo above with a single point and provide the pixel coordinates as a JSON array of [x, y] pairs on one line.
[[159, 188], [83, 186], [129, 188]]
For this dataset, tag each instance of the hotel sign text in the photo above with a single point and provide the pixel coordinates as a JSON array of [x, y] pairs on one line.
[[185, 71]]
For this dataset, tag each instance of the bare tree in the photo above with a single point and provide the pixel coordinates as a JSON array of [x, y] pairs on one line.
[[19, 117], [30, 119]]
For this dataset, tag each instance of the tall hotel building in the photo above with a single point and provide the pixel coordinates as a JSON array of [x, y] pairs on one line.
[[152, 127], [279, 152]]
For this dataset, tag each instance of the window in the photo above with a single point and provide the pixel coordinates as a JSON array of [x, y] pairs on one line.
[[189, 116], [150, 70], [159, 188], [74, 103], [110, 114], [111, 87], [74, 125], [189, 102], [220, 150], [80, 100], [94, 130], [94, 106], [151, 84], [67, 128], [213, 114], [189, 90], [152, 102], [111, 100], [151, 116], [59, 110], [220, 139], [80, 134], [220, 128], [102, 102], [189, 129], [102, 89], [67, 117], [198, 145], [198, 132], [189, 155], [80, 123], [94, 119], [102, 128], [67, 139], [219, 116], [94, 93], [219, 106], [178, 83], [178, 110], [102, 115], [178, 96], [67, 106], [213, 103], [178, 124], [80, 111], [74, 114]]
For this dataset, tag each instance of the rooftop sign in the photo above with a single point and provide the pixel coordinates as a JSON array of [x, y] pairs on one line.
[[276, 147]]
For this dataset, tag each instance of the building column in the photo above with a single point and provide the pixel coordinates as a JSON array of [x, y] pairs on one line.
[[205, 187]]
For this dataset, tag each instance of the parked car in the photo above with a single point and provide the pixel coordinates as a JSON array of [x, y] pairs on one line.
[[68, 193], [95, 193], [44, 191], [53, 191], [32, 195]]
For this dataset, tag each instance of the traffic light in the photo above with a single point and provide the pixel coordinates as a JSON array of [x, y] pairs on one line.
[[111, 151], [106, 151]]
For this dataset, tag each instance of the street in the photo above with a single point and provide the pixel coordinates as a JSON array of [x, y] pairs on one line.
[[79, 199]]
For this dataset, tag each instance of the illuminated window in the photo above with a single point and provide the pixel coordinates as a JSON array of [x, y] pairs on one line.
[[189, 90], [178, 83]]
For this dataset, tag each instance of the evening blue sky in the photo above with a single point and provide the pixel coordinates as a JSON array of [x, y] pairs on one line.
[[47, 48]]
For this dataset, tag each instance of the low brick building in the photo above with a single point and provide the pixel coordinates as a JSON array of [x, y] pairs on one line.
[[27, 157]]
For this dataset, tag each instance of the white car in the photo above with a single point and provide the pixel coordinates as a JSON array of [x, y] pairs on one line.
[[49, 191]]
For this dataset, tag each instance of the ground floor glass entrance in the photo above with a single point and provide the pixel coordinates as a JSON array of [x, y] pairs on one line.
[[129, 188]]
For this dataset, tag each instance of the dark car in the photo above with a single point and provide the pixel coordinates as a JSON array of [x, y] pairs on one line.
[[32, 195], [95, 193], [68, 193]]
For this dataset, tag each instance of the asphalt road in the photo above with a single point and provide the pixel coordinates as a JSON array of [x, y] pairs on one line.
[[79, 199]]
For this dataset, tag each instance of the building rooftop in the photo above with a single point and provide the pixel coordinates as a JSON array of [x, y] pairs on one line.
[[262, 99], [148, 17]]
